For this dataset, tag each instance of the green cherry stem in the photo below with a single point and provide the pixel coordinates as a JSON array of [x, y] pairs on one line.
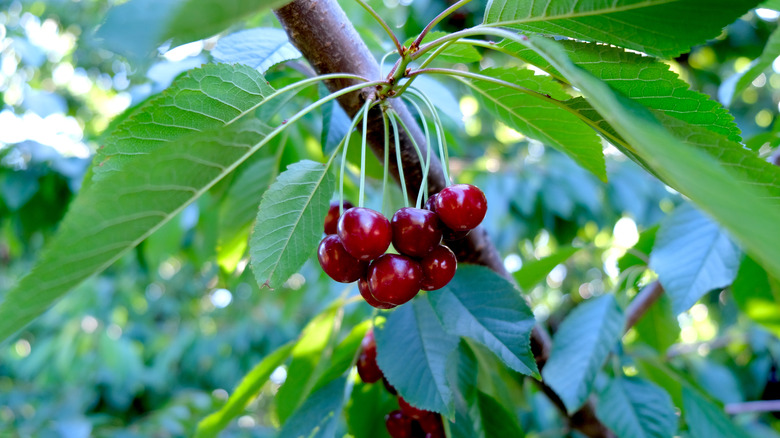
[[399, 162], [386, 160], [345, 142], [416, 147], [442, 139], [361, 195], [426, 163], [437, 19], [382, 23]]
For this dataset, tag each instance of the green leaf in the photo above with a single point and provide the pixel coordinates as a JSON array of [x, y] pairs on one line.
[[705, 419], [692, 256], [289, 223], [247, 390], [580, 347], [206, 98], [135, 28], [460, 51], [658, 327], [639, 254], [309, 356], [481, 305], [412, 352], [636, 408], [239, 209], [737, 83], [367, 408], [757, 294], [497, 421], [716, 190], [319, 415], [642, 79], [344, 354], [540, 119], [534, 272], [260, 48], [665, 28]]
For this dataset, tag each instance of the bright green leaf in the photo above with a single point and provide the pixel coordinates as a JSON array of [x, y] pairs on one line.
[[736, 84], [412, 352], [344, 354], [664, 28], [247, 390], [639, 254], [757, 294], [692, 256], [706, 419], [480, 304], [633, 407], [658, 327], [318, 416], [260, 48], [289, 222], [497, 421], [580, 347], [535, 271], [367, 408], [460, 51], [538, 118]]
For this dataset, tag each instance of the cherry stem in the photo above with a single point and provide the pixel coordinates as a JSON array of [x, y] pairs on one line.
[[386, 160], [442, 139], [419, 155], [382, 63], [425, 164], [384, 25], [345, 142], [399, 162], [361, 194], [436, 21]]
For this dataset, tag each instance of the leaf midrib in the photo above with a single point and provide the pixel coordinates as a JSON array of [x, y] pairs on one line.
[[543, 18]]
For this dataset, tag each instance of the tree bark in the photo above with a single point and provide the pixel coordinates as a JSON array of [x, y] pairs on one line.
[[325, 36]]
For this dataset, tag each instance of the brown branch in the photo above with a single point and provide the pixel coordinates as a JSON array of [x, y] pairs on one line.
[[642, 303], [753, 406]]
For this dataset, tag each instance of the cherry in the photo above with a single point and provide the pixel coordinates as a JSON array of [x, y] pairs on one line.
[[365, 292], [365, 233], [410, 411], [390, 388], [461, 207], [337, 262], [438, 268], [398, 425], [416, 232], [447, 234], [430, 203], [332, 218], [367, 367], [394, 279], [431, 424]]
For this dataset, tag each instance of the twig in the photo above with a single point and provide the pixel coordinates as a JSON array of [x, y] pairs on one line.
[[642, 303], [753, 406]]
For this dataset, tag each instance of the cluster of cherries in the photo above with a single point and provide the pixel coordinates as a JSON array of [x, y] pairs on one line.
[[408, 421], [356, 242]]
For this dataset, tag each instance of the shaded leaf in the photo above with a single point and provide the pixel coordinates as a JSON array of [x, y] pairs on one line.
[[481, 305], [658, 327], [757, 294], [534, 272], [705, 419], [319, 415], [247, 390], [580, 347], [634, 407], [692, 256], [412, 352], [366, 411], [497, 421], [664, 28], [260, 48], [289, 222]]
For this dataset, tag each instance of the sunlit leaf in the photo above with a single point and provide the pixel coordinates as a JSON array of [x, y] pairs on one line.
[[261, 48], [535, 271], [757, 294]]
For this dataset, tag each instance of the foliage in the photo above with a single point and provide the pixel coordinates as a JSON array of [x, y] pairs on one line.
[[126, 305]]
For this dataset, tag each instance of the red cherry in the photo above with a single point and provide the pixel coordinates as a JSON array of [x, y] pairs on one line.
[[447, 234], [416, 232], [430, 203], [438, 268], [365, 233], [398, 425], [461, 207], [336, 261], [410, 411], [390, 388], [332, 218], [394, 279], [431, 424], [366, 365], [365, 292]]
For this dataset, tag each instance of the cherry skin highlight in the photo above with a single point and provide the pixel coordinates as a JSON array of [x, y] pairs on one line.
[[461, 207], [337, 262], [416, 232], [332, 218], [394, 279], [438, 268], [367, 367], [365, 233], [398, 425], [365, 292], [447, 234]]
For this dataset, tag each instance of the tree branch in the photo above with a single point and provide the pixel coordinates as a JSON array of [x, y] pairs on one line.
[[642, 302]]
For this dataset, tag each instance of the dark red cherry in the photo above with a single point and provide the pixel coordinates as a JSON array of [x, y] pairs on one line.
[[410, 411], [398, 425], [332, 218], [430, 203], [390, 388], [394, 279], [452, 236], [461, 207], [337, 262], [431, 424], [438, 268], [365, 292], [367, 367], [365, 233], [416, 232]]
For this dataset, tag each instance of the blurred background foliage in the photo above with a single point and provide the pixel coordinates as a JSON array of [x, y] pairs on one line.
[[158, 340]]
